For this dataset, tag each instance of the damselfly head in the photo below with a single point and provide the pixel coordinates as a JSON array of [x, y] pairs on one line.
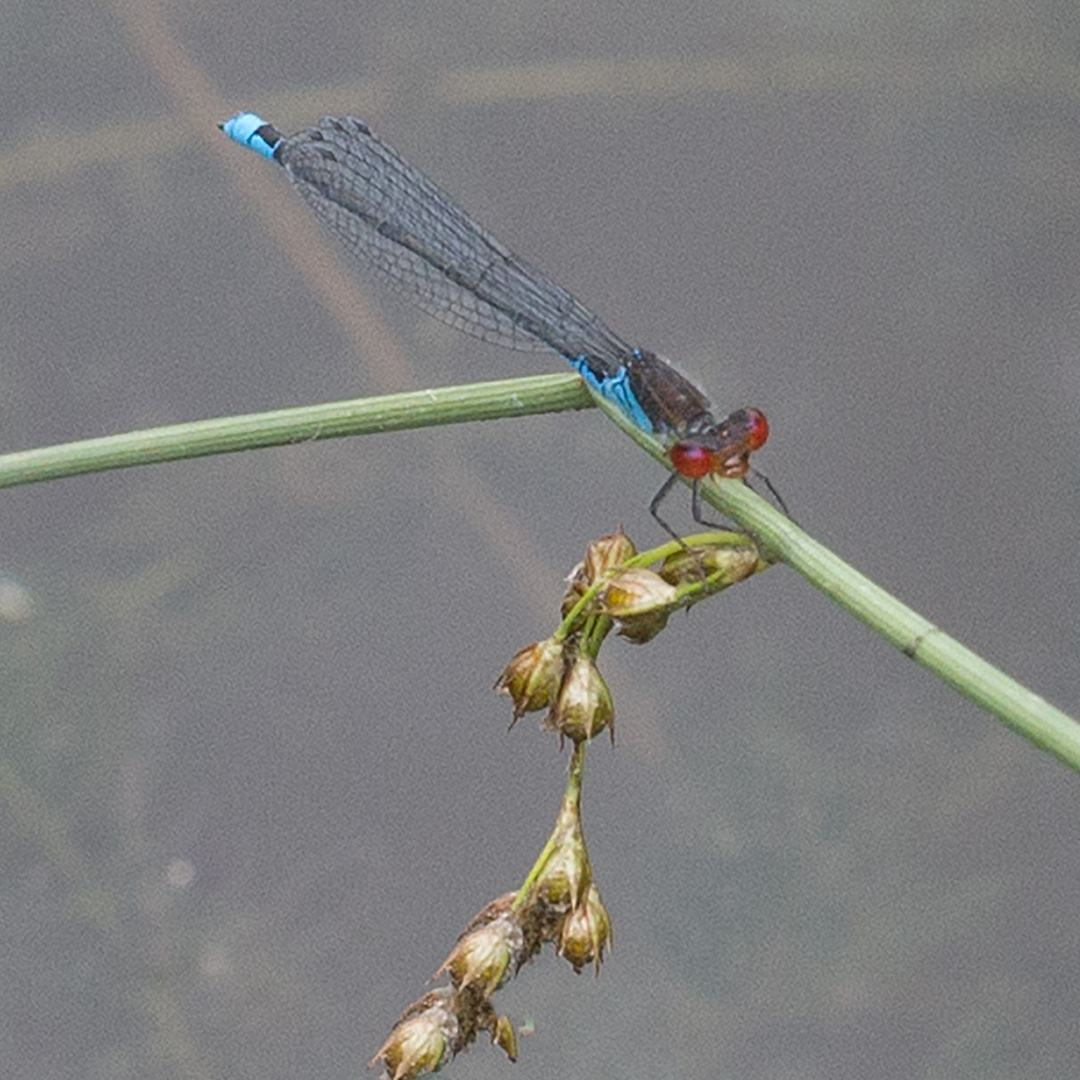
[[722, 450]]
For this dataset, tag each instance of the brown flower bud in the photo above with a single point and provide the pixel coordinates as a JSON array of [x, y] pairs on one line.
[[563, 880], [584, 707], [607, 553], [722, 564], [424, 1039], [486, 957], [586, 931], [566, 874], [639, 629], [637, 591], [577, 584], [533, 677]]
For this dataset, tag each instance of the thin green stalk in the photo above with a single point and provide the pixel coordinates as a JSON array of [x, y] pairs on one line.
[[567, 825], [309, 423], [919, 639]]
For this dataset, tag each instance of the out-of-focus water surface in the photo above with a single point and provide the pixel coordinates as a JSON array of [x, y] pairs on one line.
[[253, 780]]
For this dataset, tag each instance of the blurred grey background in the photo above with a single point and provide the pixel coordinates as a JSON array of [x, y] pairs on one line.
[[253, 780]]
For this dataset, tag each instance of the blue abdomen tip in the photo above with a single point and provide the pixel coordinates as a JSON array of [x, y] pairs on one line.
[[244, 128]]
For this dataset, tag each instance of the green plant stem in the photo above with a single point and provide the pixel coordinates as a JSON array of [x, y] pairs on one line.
[[309, 423], [567, 825], [1025, 712], [916, 637]]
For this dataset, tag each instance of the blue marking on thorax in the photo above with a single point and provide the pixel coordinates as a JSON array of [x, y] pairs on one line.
[[615, 388], [244, 129]]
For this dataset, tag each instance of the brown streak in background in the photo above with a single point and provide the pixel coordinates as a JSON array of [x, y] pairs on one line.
[[293, 229]]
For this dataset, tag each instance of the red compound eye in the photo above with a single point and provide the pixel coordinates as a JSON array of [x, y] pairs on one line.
[[693, 461], [757, 429]]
